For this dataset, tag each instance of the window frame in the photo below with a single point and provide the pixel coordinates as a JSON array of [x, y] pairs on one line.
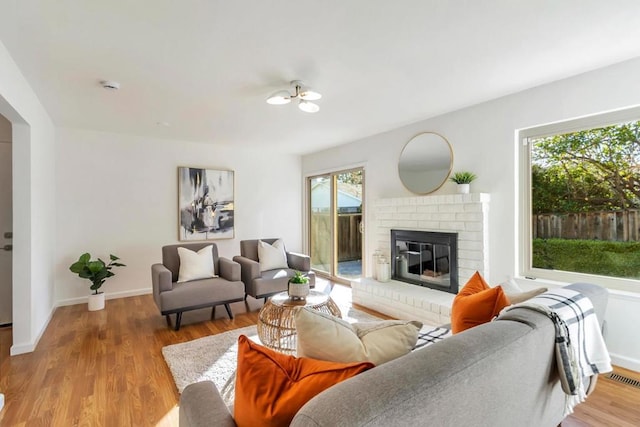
[[524, 200]]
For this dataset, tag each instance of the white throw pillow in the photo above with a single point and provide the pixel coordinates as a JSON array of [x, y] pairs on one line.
[[272, 256], [195, 265], [325, 337]]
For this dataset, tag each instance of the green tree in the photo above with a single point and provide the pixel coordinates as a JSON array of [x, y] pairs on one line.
[[352, 177], [595, 169]]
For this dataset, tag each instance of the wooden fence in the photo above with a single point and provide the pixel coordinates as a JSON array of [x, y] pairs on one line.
[[349, 237], [608, 225]]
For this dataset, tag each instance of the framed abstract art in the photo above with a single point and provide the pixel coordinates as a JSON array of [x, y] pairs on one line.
[[205, 204]]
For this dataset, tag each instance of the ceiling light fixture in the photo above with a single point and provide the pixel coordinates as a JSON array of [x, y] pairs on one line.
[[308, 107], [302, 92]]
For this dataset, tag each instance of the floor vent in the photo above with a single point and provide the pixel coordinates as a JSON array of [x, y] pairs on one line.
[[622, 379]]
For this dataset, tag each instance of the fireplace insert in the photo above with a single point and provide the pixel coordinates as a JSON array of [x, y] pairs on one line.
[[425, 258]]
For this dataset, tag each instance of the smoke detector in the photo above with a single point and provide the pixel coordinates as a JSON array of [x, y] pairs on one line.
[[110, 84]]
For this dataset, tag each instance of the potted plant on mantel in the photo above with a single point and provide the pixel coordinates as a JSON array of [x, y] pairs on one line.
[[463, 179], [96, 272], [298, 286]]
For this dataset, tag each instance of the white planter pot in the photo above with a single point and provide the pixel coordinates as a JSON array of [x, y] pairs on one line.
[[463, 188], [96, 301], [298, 291]]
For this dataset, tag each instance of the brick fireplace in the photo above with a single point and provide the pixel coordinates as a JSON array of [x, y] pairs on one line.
[[464, 214]]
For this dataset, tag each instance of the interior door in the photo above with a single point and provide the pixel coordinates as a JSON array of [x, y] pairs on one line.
[[6, 215], [336, 205]]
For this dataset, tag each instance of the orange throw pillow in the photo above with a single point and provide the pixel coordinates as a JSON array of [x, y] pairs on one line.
[[271, 387], [476, 303]]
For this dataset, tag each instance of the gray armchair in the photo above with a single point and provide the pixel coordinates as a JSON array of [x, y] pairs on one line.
[[173, 297], [263, 284]]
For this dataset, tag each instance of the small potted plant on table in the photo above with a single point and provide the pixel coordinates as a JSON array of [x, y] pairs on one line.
[[298, 288], [96, 272], [463, 179]]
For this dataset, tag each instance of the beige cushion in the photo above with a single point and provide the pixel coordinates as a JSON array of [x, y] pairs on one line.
[[195, 265], [272, 256], [523, 296], [325, 337], [515, 294]]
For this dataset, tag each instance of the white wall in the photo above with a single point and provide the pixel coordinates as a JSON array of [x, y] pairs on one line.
[[483, 141], [118, 194], [33, 220]]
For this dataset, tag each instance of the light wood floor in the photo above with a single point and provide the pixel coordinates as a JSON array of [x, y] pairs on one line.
[[106, 369]]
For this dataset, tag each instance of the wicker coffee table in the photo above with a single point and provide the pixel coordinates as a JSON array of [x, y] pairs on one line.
[[277, 324]]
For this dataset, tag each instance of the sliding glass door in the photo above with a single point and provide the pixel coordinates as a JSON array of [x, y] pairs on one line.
[[320, 224], [335, 224]]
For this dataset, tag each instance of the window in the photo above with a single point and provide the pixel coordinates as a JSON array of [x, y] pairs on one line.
[[580, 215]]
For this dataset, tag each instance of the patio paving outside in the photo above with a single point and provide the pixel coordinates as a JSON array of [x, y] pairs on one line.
[[350, 269], [346, 269]]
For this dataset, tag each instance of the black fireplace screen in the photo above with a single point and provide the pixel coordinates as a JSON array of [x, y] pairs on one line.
[[425, 258]]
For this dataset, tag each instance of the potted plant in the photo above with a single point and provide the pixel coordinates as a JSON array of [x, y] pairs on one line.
[[97, 272], [298, 288], [463, 179]]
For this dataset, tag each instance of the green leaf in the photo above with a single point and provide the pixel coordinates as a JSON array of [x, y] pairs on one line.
[[95, 266], [77, 267], [298, 277], [84, 258], [102, 274], [84, 274], [113, 257], [463, 177]]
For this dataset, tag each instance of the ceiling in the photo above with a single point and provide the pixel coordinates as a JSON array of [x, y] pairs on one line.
[[200, 70]]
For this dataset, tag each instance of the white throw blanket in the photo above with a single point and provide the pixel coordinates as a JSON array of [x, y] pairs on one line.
[[580, 348]]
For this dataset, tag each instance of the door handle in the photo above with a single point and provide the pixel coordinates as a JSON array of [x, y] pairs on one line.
[[8, 248]]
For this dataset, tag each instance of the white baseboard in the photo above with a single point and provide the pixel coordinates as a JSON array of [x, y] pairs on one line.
[[31, 346], [625, 362], [112, 295], [17, 349]]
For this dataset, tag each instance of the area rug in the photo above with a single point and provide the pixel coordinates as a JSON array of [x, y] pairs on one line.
[[214, 357]]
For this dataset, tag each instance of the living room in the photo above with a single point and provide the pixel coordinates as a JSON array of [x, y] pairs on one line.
[[88, 187]]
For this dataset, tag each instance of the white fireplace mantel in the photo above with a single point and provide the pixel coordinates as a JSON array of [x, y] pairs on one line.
[[465, 214]]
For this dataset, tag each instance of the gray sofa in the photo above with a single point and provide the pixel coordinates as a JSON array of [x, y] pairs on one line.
[[501, 373]]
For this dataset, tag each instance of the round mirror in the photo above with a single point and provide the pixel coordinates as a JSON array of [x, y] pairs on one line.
[[425, 163]]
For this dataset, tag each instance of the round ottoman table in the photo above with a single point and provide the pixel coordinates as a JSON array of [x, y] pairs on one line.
[[276, 320]]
